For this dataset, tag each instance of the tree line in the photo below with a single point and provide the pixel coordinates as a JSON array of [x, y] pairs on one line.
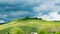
[[32, 18]]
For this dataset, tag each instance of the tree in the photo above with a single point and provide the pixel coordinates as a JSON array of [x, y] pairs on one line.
[[26, 18], [40, 18], [35, 18]]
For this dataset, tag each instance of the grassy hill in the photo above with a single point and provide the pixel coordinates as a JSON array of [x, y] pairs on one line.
[[30, 25]]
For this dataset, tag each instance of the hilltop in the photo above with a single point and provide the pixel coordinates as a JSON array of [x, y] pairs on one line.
[[29, 25]]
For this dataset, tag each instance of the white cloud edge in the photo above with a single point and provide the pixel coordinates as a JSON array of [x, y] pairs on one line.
[[2, 21]]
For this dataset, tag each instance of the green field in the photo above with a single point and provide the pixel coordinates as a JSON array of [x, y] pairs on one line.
[[30, 25]]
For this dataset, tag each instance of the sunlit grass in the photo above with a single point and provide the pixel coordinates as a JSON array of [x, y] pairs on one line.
[[32, 23]]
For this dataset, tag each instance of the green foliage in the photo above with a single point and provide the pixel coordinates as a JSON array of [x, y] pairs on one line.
[[42, 32], [26, 18], [16, 30], [57, 32], [53, 32], [40, 18], [35, 18]]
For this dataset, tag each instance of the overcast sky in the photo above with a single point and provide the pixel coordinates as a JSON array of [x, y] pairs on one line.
[[45, 9]]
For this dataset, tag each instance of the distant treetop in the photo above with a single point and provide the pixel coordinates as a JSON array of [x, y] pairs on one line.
[[32, 18]]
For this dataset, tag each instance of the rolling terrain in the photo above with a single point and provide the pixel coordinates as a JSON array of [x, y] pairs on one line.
[[30, 25]]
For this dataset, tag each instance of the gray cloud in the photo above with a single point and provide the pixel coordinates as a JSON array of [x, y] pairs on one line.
[[12, 9]]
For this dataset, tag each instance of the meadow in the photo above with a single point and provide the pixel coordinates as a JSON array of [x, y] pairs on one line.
[[30, 26]]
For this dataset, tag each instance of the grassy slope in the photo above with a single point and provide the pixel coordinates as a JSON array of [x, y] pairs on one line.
[[39, 24]]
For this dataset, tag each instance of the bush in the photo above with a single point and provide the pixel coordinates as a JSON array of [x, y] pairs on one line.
[[42, 32], [16, 30]]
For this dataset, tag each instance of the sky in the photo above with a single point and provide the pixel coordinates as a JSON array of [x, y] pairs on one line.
[[45, 9]]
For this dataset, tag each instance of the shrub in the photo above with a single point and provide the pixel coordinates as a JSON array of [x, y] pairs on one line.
[[42, 32], [16, 30]]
